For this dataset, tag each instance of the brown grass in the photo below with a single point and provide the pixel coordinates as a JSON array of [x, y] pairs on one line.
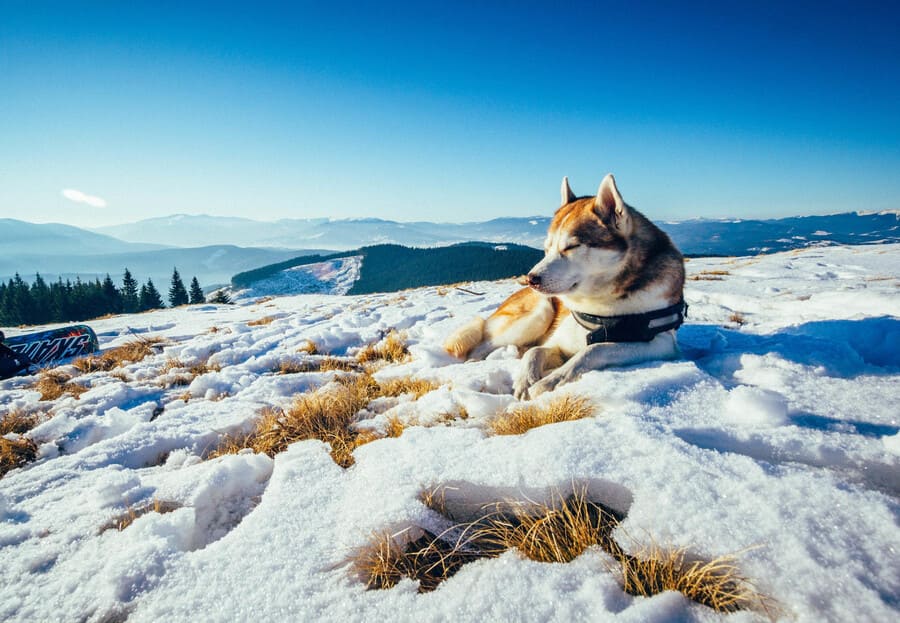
[[392, 348], [558, 531], [555, 532], [131, 352], [429, 559], [19, 422], [709, 275], [715, 583], [16, 453], [737, 318], [189, 373], [522, 419], [325, 364], [327, 414], [309, 348], [132, 513], [406, 385], [261, 321], [53, 384]]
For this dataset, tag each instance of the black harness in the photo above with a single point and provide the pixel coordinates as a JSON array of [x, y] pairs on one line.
[[631, 327]]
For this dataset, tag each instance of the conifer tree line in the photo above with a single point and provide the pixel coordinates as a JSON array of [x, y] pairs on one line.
[[41, 303]]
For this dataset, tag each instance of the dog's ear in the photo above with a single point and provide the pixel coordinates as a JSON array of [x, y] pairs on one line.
[[566, 194], [610, 207]]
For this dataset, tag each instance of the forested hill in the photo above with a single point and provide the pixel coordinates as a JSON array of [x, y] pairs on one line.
[[389, 267]]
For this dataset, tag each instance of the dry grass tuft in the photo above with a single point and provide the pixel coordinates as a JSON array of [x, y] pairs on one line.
[[309, 348], [325, 364], [16, 453], [327, 414], [53, 384], [406, 385], [19, 422], [188, 374], [392, 348], [382, 563], [429, 559], [132, 352], [738, 319], [17, 450], [555, 532], [132, 513], [336, 363], [558, 531], [524, 418], [715, 583], [93, 363], [709, 275], [261, 321], [395, 427]]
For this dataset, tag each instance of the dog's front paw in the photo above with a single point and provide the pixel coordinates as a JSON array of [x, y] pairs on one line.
[[546, 384], [552, 381], [520, 388]]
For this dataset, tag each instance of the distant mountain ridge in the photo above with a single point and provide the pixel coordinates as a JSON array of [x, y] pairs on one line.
[[56, 250], [694, 237], [388, 267]]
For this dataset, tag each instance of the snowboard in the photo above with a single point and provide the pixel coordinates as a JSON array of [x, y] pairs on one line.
[[46, 347]]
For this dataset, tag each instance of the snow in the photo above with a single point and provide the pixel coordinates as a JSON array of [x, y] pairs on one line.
[[775, 438], [332, 277]]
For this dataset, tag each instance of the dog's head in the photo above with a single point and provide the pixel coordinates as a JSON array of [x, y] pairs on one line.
[[586, 242]]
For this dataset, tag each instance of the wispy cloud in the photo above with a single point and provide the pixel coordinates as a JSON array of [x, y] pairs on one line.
[[79, 197]]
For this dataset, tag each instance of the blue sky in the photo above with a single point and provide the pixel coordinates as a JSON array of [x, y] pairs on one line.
[[449, 111]]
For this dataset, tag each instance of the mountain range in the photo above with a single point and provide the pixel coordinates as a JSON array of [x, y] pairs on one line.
[[56, 250], [216, 248], [694, 237]]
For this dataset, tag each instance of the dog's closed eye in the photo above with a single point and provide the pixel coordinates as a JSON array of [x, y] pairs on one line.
[[571, 246]]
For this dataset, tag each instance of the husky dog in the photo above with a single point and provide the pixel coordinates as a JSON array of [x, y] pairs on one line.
[[609, 292]]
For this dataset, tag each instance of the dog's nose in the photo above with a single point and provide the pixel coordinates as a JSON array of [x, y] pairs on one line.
[[534, 280]]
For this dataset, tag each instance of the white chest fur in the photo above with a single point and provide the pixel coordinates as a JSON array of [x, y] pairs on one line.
[[569, 337]]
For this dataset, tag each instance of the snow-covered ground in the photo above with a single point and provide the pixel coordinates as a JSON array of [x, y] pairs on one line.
[[332, 277], [776, 439]]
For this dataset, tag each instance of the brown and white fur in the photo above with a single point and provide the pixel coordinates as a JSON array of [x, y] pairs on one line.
[[602, 257]]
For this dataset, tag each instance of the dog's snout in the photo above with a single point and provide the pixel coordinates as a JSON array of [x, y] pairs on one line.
[[533, 280]]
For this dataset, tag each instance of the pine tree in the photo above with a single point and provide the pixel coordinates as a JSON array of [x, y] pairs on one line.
[[177, 293], [196, 292], [149, 297], [130, 301], [112, 298], [40, 296], [221, 297]]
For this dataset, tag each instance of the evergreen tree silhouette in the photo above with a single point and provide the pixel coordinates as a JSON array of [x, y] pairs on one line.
[[111, 297], [149, 297], [178, 295], [196, 292], [130, 300]]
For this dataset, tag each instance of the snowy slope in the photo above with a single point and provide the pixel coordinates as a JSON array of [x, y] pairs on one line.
[[332, 277], [776, 439]]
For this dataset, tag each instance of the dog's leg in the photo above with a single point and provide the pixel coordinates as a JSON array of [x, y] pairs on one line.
[[599, 356], [521, 320], [534, 362]]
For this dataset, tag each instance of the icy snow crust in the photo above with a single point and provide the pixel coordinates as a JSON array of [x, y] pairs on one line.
[[776, 439]]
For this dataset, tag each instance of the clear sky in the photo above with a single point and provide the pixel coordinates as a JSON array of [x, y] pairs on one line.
[[450, 111]]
